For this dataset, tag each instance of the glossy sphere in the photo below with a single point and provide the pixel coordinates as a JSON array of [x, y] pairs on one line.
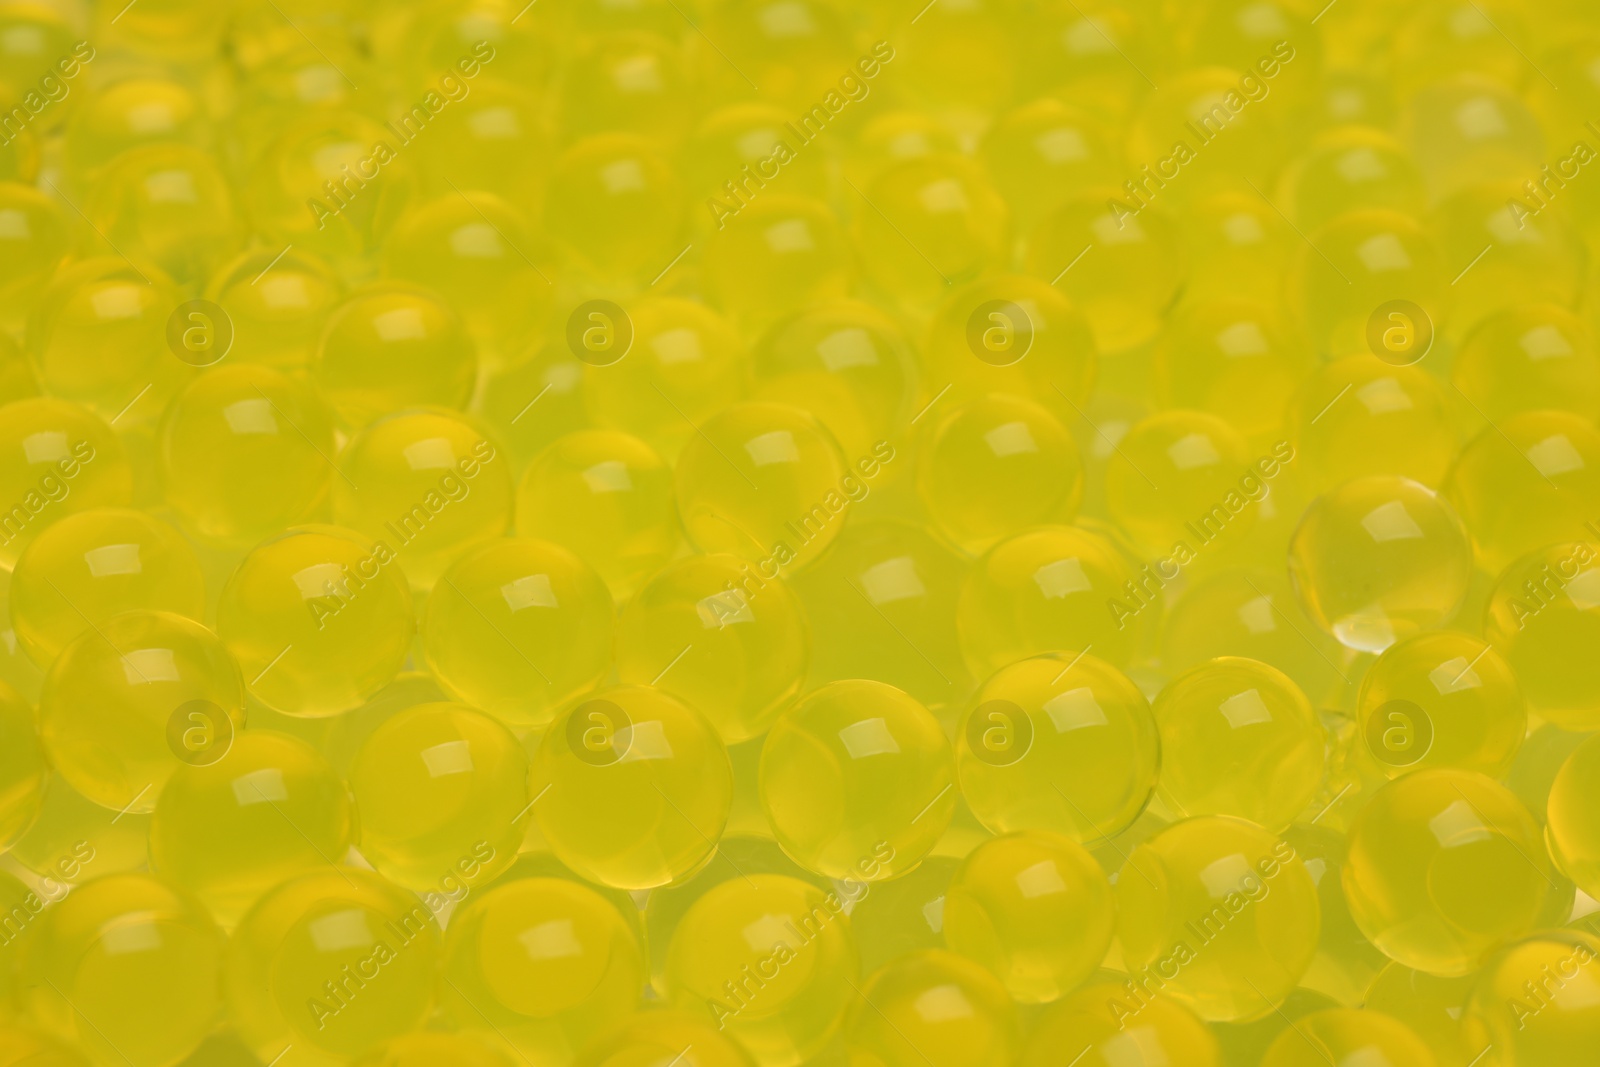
[[1337, 1034], [995, 467], [1444, 866], [1043, 591], [1359, 416], [393, 346], [648, 1036], [778, 255], [438, 787], [128, 114], [1532, 481], [330, 964], [75, 839], [1372, 256], [607, 497], [518, 627], [55, 458], [1182, 476], [127, 967], [22, 767], [640, 787], [757, 922], [1379, 559], [110, 697], [429, 483], [937, 221], [1231, 359], [1442, 700], [278, 306], [92, 565], [1238, 247], [1227, 906], [1060, 742], [499, 136], [1035, 909], [544, 964], [34, 241], [168, 204], [1042, 151], [246, 451], [1238, 737], [1530, 1001], [1544, 609], [267, 810], [615, 205], [1161, 1032], [709, 631], [1573, 829], [1348, 169], [894, 1019], [319, 619], [1529, 359], [766, 482], [857, 776]]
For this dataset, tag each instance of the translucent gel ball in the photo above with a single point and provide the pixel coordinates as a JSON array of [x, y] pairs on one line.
[[995, 467], [518, 627], [439, 787], [1430, 1006], [393, 346], [857, 777], [169, 204], [1044, 151], [550, 375], [132, 113], [35, 241], [1531, 481], [270, 808], [1231, 359], [739, 135], [1166, 1034], [1035, 909], [652, 1036], [425, 1049], [1176, 476], [1573, 828], [22, 1047], [1360, 416], [95, 564], [246, 451], [768, 960], [1531, 1002], [328, 965], [1444, 867], [629, 81], [685, 365], [544, 965], [1541, 617], [615, 205], [498, 137], [639, 787], [895, 1018], [1529, 359], [1348, 169], [1061, 743], [319, 618], [22, 767], [1238, 737], [778, 255], [1442, 699], [1129, 274], [429, 483], [126, 967], [277, 306], [1337, 1034], [1378, 559], [709, 630], [1043, 591], [768, 483], [1238, 246], [607, 497], [111, 697], [1219, 914], [75, 839]]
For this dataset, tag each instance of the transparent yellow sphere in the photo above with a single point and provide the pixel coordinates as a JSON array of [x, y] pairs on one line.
[[857, 781], [540, 967], [1061, 743], [1531, 480], [1231, 359], [797, 57], [639, 787], [75, 839], [1541, 616], [1444, 867], [769, 960], [246, 451], [1044, 151], [1352, 168], [497, 138], [440, 788], [1530, 358], [893, 1021], [34, 37], [128, 968], [655, 1036], [34, 241], [319, 619], [1432, 1007], [1035, 909], [775, 255], [898, 135], [1464, 129], [1183, 476], [1379, 559], [1219, 914], [614, 204], [1210, 126], [393, 346], [430, 484], [736, 136], [23, 769], [518, 627], [1045, 590], [93, 565], [134, 112], [1097, 1019], [1238, 247], [607, 497], [1442, 699], [429, 1049], [1360, 416], [1239, 738], [169, 204], [113, 697], [1528, 1002], [632, 82], [995, 467], [277, 305], [229, 829], [329, 965], [1337, 1034], [1573, 830]]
